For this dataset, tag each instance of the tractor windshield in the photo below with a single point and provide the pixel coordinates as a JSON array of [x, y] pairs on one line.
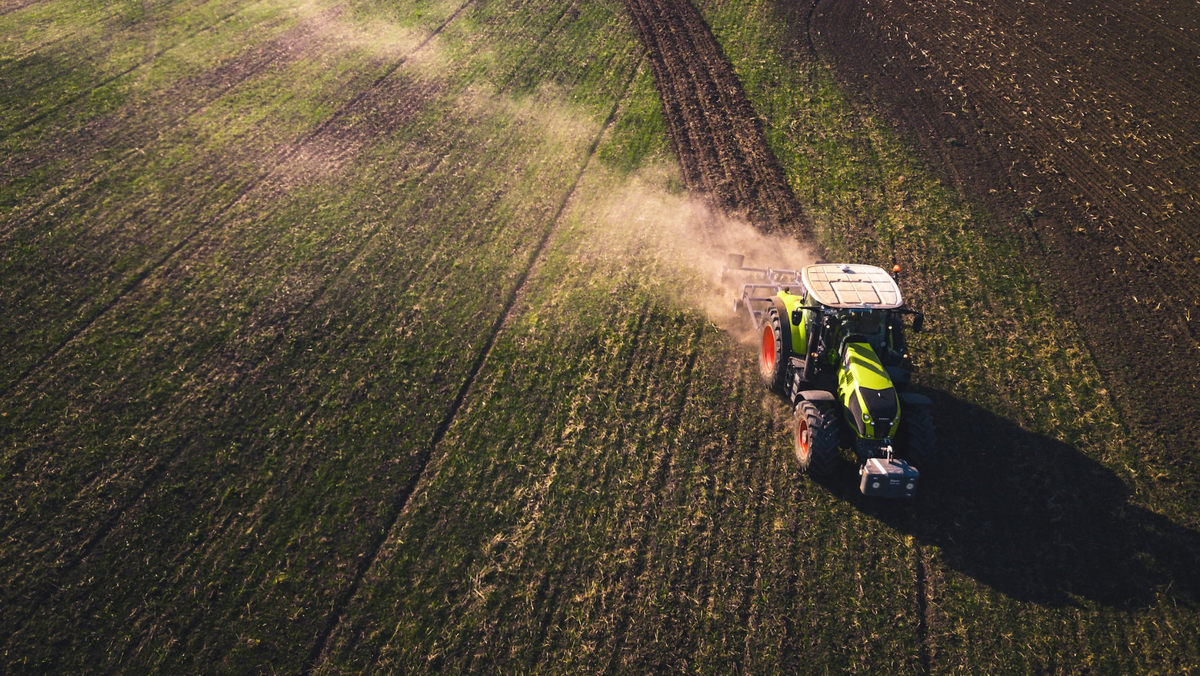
[[867, 325]]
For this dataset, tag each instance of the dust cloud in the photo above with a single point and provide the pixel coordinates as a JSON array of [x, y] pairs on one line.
[[690, 241], [327, 32]]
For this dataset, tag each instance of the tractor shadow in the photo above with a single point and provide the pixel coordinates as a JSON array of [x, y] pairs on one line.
[[1034, 518]]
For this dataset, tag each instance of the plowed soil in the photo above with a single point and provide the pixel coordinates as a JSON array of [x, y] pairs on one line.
[[1076, 124], [713, 128]]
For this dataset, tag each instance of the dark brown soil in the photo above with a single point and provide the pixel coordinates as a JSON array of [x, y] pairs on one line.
[[713, 128], [1077, 126], [7, 6], [997, 531]]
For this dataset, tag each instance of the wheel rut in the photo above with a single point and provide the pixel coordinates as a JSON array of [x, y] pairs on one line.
[[716, 135]]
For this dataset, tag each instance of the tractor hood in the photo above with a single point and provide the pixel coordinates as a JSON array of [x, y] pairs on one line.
[[867, 394]]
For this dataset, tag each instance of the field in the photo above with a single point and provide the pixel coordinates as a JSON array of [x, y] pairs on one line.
[[1078, 125], [363, 336]]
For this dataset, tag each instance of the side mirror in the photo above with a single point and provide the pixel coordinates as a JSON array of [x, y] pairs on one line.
[[918, 322]]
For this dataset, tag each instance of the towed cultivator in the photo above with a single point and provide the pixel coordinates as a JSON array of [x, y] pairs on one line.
[[832, 342]]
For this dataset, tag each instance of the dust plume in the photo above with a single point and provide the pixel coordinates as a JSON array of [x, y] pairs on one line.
[[691, 242]]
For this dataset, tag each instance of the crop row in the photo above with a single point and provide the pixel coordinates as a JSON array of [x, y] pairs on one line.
[[618, 493], [232, 431], [1049, 543], [431, 393]]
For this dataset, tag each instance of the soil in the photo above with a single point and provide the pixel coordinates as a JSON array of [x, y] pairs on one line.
[[1077, 127], [1121, 260], [7, 6], [219, 470], [370, 113], [713, 128]]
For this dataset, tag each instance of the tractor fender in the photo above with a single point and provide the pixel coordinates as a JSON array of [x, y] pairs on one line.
[[816, 395], [915, 399], [785, 326], [788, 305]]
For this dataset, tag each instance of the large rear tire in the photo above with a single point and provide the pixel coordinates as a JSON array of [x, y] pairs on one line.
[[815, 435], [918, 437], [774, 351]]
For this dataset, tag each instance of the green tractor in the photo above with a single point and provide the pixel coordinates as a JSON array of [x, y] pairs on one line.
[[832, 342]]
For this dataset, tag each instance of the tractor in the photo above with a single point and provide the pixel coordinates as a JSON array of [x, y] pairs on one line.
[[832, 342]]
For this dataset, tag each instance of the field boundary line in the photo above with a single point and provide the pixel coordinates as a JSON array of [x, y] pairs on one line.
[[423, 457], [249, 187], [808, 28]]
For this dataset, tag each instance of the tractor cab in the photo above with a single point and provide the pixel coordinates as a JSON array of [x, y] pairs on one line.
[[861, 326]]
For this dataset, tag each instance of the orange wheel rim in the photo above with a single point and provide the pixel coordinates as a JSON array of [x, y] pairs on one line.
[[802, 438], [768, 349]]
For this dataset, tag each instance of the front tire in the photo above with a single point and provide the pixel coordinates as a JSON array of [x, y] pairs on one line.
[[815, 435], [918, 437], [773, 353]]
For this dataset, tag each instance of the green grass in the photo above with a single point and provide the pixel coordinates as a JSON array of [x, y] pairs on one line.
[[619, 491], [998, 342], [194, 481], [257, 355]]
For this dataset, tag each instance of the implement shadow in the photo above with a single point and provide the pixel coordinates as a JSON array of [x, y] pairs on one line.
[[1034, 518]]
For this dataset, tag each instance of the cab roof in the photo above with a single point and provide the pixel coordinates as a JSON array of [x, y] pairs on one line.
[[855, 287]]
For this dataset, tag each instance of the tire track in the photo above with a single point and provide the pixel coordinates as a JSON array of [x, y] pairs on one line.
[[348, 108], [922, 603], [423, 458], [716, 135]]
